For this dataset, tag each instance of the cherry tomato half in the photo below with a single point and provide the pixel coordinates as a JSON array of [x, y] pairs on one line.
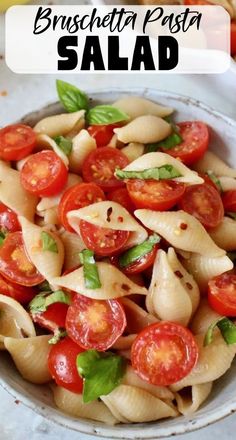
[[121, 196], [103, 241], [100, 165], [222, 294], [195, 137], [16, 142], [15, 264], [208, 181], [233, 37], [140, 264], [21, 294], [159, 195], [53, 318], [229, 200], [62, 365], [44, 174], [8, 219], [203, 202], [163, 353], [95, 324], [76, 197], [197, 2], [102, 133]]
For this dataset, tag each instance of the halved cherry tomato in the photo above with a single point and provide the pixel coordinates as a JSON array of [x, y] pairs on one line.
[[229, 200], [62, 365], [203, 202], [53, 318], [100, 165], [222, 294], [95, 324], [103, 241], [139, 265], [16, 141], [208, 181], [159, 195], [8, 219], [197, 2], [163, 353], [15, 264], [102, 133], [21, 294], [76, 197], [195, 137], [44, 174], [233, 37], [122, 197]]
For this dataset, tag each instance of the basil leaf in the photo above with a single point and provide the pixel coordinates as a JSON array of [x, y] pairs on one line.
[[71, 97], [64, 144], [48, 242], [215, 180], [231, 215], [105, 114], [164, 172], [43, 300], [232, 256], [44, 287], [168, 143], [227, 329], [168, 119], [102, 372], [58, 335], [2, 237], [138, 251], [91, 275]]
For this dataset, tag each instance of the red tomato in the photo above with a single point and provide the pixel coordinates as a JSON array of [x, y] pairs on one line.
[[222, 294], [100, 165], [159, 195], [44, 174], [233, 37], [195, 137], [15, 264], [16, 141], [122, 197], [102, 133], [95, 324], [8, 219], [76, 197], [203, 202], [229, 200], [21, 294], [53, 318], [62, 365], [197, 2], [103, 241], [208, 181], [139, 265], [163, 353]]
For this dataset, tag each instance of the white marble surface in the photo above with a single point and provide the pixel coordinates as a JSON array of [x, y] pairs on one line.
[[25, 93]]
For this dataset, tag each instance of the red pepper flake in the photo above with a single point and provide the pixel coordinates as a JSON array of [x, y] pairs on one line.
[[3, 93], [183, 226], [17, 402], [109, 212], [125, 287], [120, 219], [178, 274], [1, 57], [189, 286]]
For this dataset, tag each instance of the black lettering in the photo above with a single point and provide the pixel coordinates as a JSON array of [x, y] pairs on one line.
[[42, 14], [71, 58], [168, 49], [115, 62], [92, 54], [142, 54]]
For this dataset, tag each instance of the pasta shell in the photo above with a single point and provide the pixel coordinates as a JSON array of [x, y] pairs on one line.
[[188, 404], [51, 216], [73, 245], [72, 404], [137, 317], [48, 263], [144, 129], [51, 202], [136, 405], [133, 151], [152, 160], [135, 106], [227, 183], [224, 235], [20, 201], [82, 145], [181, 230], [114, 283], [14, 320], [31, 357], [203, 318], [124, 342], [46, 142], [211, 162], [57, 125]]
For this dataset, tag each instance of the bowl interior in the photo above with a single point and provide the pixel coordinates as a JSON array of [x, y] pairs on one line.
[[222, 400]]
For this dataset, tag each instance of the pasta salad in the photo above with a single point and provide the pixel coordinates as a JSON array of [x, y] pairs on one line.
[[117, 249]]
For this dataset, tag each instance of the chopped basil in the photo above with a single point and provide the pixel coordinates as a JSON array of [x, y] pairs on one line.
[[48, 242], [168, 119], [43, 300], [168, 143], [58, 335], [138, 251], [2, 237], [91, 275], [215, 180], [227, 329], [102, 372], [231, 215], [71, 97], [64, 144], [105, 114], [157, 173], [44, 287], [232, 256]]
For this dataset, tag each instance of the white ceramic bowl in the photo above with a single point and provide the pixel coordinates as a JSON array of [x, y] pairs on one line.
[[222, 400]]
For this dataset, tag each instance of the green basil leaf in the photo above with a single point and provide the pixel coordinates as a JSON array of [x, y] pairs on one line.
[[48, 242], [44, 287], [138, 251], [2, 237], [215, 180], [232, 256], [164, 172], [105, 114], [102, 372], [231, 215], [168, 143], [227, 329], [64, 144], [58, 335], [43, 300], [71, 97], [91, 275], [168, 119]]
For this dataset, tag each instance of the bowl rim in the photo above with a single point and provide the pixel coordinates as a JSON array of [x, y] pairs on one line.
[[144, 431]]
